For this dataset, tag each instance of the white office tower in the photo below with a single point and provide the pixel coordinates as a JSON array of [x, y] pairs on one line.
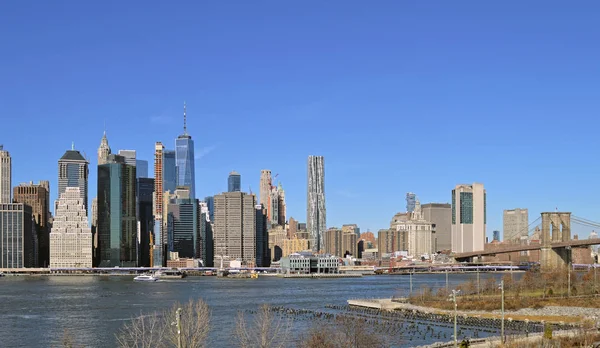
[[71, 237], [468, 218]]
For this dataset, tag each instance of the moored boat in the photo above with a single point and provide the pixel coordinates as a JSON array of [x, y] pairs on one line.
[[145, 278], [171, 274]]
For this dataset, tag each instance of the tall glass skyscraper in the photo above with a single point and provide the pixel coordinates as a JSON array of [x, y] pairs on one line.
[[411, 200], [210, 205], [117, 223], [234, 182], [169, 171], [184, 148], [316, 213]]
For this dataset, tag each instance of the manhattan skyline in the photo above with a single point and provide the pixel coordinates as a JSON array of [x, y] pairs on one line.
[[417, 98]]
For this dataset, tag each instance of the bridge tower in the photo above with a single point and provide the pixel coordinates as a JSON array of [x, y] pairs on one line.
[[556, 227]]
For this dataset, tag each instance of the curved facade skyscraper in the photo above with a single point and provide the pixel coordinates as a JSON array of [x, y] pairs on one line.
[[316, 221], [184, 154]]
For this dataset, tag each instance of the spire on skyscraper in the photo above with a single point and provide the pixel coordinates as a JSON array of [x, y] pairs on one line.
[[184, 120], [104, 149]]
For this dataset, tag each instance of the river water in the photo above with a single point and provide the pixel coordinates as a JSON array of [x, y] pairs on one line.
[[36, 310]]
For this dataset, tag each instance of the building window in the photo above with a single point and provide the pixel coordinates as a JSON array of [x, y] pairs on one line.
[[466, 208], [485, 208], [453, 207]]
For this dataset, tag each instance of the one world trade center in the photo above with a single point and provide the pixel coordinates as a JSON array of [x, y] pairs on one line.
[[184, 152]]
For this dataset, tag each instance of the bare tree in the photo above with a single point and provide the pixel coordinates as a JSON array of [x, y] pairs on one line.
[[145, 331], [162, 330], [319, 337], [195, 320], [345, 332], [267, 330]]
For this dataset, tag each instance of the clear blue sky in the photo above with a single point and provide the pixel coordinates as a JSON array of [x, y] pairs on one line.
[[397, 95]]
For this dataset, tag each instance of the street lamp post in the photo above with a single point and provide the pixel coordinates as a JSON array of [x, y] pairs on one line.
[[454, 292], [410, 277], [569, 280], [446, 280], [178, 313], [502, 324]]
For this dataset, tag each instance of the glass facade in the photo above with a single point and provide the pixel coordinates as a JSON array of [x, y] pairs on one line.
[[17, 244], [234, 182], [169, 171], [210, 202], [141, 168], [117, 222], [485, 208], [454, 207], [466, 208], [411, 201], [204, 244], [73, 172], [144, 192], [186, 176], [183, 226]]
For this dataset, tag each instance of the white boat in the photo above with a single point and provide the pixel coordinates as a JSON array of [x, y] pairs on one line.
[[145, 278], [2, 274]]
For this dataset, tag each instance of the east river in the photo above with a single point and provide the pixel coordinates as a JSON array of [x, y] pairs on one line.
[[35, 311]]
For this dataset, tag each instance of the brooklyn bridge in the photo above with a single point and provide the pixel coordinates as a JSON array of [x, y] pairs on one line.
[[555, 245]]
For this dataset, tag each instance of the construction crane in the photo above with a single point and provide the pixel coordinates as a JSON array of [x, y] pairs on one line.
[[272, 179]]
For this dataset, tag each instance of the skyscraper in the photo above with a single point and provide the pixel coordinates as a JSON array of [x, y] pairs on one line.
[[95, 254], [234, 182], [144, 192], [103, 150], [468, 218], [515, 224], [17, 237], [315, 211], [141, 168], [117, 225], [38, 198], [5, 176], [184, 146], [411, 200], [73, 171], [281, 206], [440, 216], [263, 257], [265, 191], [169, 171], [352, 228], [71, 237], [184, 229], [204, 244], [496, 236], [235, 227], [210, 205], [165, 179], [130, 157]]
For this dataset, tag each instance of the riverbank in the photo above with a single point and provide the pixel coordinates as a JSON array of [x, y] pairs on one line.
[[550, 314], [535, 339], [321, 275]]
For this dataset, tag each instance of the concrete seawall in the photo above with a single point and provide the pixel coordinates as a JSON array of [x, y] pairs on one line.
[[321, 275]]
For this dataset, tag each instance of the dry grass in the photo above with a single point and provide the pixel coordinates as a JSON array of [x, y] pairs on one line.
[[582, 339], [534, 290]]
